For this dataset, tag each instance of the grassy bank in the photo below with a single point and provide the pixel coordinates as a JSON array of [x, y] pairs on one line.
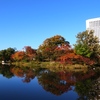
[[26, 64], [52, 65], [58, 66]]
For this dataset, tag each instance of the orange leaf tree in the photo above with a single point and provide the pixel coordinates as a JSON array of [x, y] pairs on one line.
[[74, 58], [30, 52], [19, 55]]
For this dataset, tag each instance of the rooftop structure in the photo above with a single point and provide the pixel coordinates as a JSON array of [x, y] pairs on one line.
[[94, 24]]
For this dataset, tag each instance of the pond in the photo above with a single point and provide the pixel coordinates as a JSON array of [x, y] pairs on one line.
[[44, 84]]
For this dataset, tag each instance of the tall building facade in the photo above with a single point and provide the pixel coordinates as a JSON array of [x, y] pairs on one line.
[[94, 24]]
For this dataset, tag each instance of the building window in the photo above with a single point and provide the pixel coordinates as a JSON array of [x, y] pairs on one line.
[[99, 22]]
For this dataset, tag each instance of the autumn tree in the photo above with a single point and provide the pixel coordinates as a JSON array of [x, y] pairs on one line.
[[48, 48], [63, 50], [87, 44], [19, 55], [30, 52], [72, 58]]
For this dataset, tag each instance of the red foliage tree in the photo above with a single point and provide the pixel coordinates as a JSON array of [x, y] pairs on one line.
[[62, 50], [19, 55], [30, 53], [73, 58]]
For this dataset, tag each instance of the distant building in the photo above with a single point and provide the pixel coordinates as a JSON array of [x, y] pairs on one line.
[[94, 24]]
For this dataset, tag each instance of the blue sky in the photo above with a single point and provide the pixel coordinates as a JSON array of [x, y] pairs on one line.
[[30, 22]]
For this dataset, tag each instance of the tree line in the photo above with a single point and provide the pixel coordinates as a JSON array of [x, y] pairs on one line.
[[56, 48]]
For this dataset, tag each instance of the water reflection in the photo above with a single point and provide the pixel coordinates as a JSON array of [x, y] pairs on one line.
[[5, 71], [27, 73], [86, 85], [56, 83], [89, 89]]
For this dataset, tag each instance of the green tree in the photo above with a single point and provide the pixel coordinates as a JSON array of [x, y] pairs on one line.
[[87, 44], [3, 55], [9, 52], [6, 53]]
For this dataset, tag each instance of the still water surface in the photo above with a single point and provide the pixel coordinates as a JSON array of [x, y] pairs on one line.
[[43, 84]]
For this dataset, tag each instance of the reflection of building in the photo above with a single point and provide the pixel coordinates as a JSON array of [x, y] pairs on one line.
[[94, 24]]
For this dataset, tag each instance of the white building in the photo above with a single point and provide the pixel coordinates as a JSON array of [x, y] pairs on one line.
[[94, 24]]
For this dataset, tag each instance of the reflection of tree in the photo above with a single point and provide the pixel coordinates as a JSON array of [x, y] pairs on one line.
[[67, 76], [94, 93], [54, 83], [88, 88], [60, 82], [83, 76], [17, 71], [83, 88], [5, 71], [27, 74]]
